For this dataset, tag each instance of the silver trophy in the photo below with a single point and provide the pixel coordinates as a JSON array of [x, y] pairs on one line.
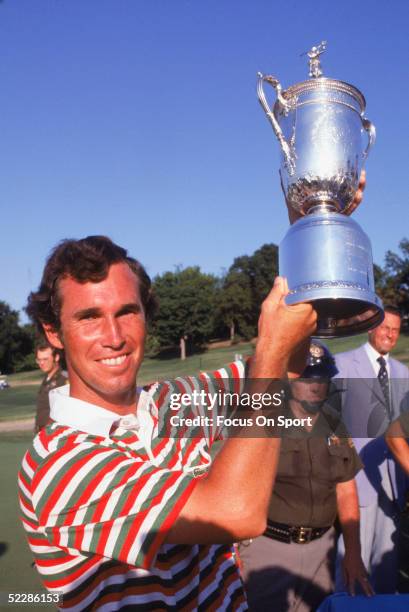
[[325, 255]]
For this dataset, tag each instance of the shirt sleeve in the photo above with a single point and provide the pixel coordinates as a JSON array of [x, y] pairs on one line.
[[94, 498], [353, 463], [195, 407], [344, 450]]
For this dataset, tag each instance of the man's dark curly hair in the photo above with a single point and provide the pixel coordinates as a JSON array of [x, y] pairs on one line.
[[86, 260]]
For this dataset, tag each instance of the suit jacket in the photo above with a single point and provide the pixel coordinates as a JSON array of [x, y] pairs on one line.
[[365, 416]]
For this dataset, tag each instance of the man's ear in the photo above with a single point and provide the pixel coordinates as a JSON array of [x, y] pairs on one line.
[[52, 336]]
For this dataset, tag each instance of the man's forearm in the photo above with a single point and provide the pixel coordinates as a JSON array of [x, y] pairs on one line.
[[348, 514], [400, 450]]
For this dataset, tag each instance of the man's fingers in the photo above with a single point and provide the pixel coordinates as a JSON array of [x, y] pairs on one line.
[[362, 180], [279, 290], [366, 586]]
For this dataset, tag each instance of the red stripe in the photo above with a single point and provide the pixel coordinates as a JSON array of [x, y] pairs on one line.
[[27, 505], [33, 464]]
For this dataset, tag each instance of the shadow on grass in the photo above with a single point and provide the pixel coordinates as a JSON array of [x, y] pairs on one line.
[[3, 548]]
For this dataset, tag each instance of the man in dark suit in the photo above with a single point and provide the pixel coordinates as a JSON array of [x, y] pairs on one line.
[[375, 392]]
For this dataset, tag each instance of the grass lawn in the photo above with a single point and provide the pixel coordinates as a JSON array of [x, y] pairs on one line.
[[18, 402], [16, 573]]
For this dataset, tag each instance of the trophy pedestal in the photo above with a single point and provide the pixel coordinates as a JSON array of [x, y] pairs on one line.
[[327, 259]]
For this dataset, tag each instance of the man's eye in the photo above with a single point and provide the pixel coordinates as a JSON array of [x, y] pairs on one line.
[[89, 317]]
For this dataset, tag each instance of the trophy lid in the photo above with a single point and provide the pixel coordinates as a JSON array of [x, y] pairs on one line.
[[320, 84]]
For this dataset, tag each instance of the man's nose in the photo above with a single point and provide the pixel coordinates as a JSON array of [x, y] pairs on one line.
[[112, 333]]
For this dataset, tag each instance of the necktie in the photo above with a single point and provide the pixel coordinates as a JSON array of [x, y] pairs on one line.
[[384, 382]]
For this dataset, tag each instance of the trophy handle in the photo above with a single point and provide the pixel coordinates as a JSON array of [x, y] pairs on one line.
[[371, 131], [285, 147]]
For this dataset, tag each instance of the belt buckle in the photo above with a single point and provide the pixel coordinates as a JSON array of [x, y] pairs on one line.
[[302, 535]]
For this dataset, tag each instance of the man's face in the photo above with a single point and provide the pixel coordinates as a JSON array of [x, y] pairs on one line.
[[103, 333], [384, 337], [46, 360], [311, 390]]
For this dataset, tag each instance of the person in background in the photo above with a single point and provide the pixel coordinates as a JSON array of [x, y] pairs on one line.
[[48, 360], [290, 567], [375, 392]]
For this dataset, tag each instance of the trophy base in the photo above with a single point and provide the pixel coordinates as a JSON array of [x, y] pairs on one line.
[[327, 260], [338, 317]]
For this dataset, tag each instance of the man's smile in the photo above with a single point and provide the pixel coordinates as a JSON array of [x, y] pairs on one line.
[[113, 361]]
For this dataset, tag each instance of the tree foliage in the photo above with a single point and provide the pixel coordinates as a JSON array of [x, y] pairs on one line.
[[397, 271], [186, 307], [16, 342], [245, 286]]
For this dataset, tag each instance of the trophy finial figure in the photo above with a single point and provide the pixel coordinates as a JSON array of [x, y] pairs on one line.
[[314, 55]]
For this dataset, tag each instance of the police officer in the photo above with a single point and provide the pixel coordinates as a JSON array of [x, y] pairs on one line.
[[290, 567]]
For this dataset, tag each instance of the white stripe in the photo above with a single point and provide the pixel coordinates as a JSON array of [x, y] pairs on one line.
[[28, 513], [45, 550], [23, 487], [113, 536], [39, 448], [59, 567], [54, 442], [215, 583], [87, 536], [26, 467]]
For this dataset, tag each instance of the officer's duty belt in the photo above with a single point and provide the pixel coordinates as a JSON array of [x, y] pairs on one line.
[[291, 533]]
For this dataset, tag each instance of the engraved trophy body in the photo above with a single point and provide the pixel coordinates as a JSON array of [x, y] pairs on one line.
[[325, 255]]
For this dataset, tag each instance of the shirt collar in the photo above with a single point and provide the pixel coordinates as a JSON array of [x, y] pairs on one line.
[[80, 415], [373, 356]]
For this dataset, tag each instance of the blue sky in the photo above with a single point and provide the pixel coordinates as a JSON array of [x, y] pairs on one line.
[[139, 119]]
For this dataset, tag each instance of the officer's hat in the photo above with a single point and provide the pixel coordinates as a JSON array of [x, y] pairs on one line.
[[320, 362]]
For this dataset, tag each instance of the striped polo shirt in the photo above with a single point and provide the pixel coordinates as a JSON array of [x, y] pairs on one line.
[[99, 493]]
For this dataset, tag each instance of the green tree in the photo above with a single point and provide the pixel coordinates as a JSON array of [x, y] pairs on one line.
[[186, 308], [397, 266], [251, 277], [16, 342], [234, 307]]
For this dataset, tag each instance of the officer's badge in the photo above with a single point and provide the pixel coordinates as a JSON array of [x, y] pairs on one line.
[[333, 440], [317, 351]]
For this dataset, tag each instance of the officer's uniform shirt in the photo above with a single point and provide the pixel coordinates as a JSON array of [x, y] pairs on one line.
[[43, 406], [311, 464]]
